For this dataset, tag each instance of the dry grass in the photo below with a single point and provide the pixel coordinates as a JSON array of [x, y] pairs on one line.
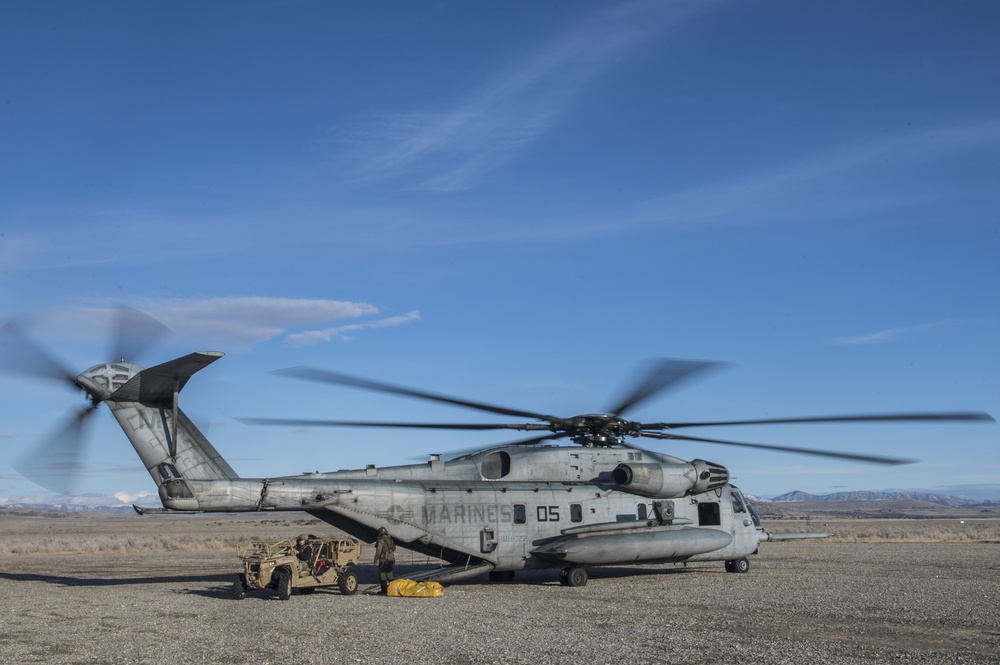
[[897, 530], [76, 533]]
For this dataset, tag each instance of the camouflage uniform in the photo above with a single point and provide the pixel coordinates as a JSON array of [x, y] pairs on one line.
[[304, 552], [385, 558]]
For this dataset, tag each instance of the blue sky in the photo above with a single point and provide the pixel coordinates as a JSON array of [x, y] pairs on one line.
[[517, 203]]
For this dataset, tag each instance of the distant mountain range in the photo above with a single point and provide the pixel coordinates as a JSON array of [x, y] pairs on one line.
[[68, 508], [929, 497]]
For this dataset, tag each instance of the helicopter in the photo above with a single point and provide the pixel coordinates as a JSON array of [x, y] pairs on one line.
[[530, 504]]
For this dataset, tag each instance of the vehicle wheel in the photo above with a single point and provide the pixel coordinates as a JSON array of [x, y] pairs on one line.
[[348, 583], [730, 567], [741, 565], [284, 584], [563, 577], [239, 588], [576, 577]]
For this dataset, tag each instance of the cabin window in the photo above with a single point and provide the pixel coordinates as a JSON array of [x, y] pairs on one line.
[[519, 514], [496, 465], [709, 515], [641, 511], [575, 512]]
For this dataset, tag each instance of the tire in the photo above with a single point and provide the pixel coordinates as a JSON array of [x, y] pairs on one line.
[[730, 566], [348, 583], [284, 578], [576, 577], [239, 591], [741, 565]]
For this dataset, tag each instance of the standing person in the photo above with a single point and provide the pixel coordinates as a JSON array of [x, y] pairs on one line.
[[385, 558]]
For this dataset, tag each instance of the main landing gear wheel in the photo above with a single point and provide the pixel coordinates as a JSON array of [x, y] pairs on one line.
[[741, 565], [573, 577]]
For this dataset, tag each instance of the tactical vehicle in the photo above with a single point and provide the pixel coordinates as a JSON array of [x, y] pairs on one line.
[[276, 565]]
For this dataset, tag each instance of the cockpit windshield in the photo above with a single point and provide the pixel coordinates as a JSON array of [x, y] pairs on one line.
[[755, 516], [740, 505]]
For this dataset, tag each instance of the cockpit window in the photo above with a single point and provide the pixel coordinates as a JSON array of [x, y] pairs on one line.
[[738, 505]]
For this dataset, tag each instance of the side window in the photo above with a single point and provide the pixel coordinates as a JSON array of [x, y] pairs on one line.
[[496, 465], [575, 512], [519, 513], [709, 515]]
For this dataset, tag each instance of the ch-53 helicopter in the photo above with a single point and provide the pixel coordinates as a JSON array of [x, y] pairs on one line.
[[523, 505]]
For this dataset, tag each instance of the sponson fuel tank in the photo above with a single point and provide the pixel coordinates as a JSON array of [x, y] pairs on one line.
[[658, 543]]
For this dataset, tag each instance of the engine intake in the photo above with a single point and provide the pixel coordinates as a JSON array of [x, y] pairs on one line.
[[665, 481]]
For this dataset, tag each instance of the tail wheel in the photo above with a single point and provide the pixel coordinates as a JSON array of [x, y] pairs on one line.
[[348, 583], [239, 591], [284, 584]]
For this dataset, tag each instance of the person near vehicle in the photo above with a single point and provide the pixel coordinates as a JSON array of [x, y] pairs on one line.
[[385, 558], [303, 551]]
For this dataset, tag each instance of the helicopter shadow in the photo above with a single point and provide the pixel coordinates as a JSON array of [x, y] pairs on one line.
[[73, 581]]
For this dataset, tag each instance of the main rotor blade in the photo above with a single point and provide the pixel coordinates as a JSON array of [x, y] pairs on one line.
[[20, 354], [325, 376], [858, 418], [298, 422], [135, 331], [872, 459], [55, 463], [464, 452], [662, 374]]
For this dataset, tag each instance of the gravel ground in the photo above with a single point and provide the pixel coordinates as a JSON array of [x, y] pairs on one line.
[[802, 602]]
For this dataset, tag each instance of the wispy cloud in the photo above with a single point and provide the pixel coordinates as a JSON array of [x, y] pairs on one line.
[[240, 321], [344, 331], [893, 334], [514, 106], [831, 183]]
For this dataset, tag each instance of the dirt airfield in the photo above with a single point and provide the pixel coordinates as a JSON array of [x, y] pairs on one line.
[[92, 588]]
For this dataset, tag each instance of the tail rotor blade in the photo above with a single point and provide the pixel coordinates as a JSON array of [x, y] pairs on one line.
[[55, 463], [18, 353], [135, 331]]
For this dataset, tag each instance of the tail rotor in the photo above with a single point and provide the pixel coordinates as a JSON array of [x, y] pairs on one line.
[[55, 462]]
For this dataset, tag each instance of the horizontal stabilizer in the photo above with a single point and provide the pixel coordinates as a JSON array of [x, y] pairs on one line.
[[142, 510], [764, 537], [157, 384]]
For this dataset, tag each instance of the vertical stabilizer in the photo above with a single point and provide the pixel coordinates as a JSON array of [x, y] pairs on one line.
[[170, 446]]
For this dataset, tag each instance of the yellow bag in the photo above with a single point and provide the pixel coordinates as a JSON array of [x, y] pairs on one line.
[[411, 589]]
